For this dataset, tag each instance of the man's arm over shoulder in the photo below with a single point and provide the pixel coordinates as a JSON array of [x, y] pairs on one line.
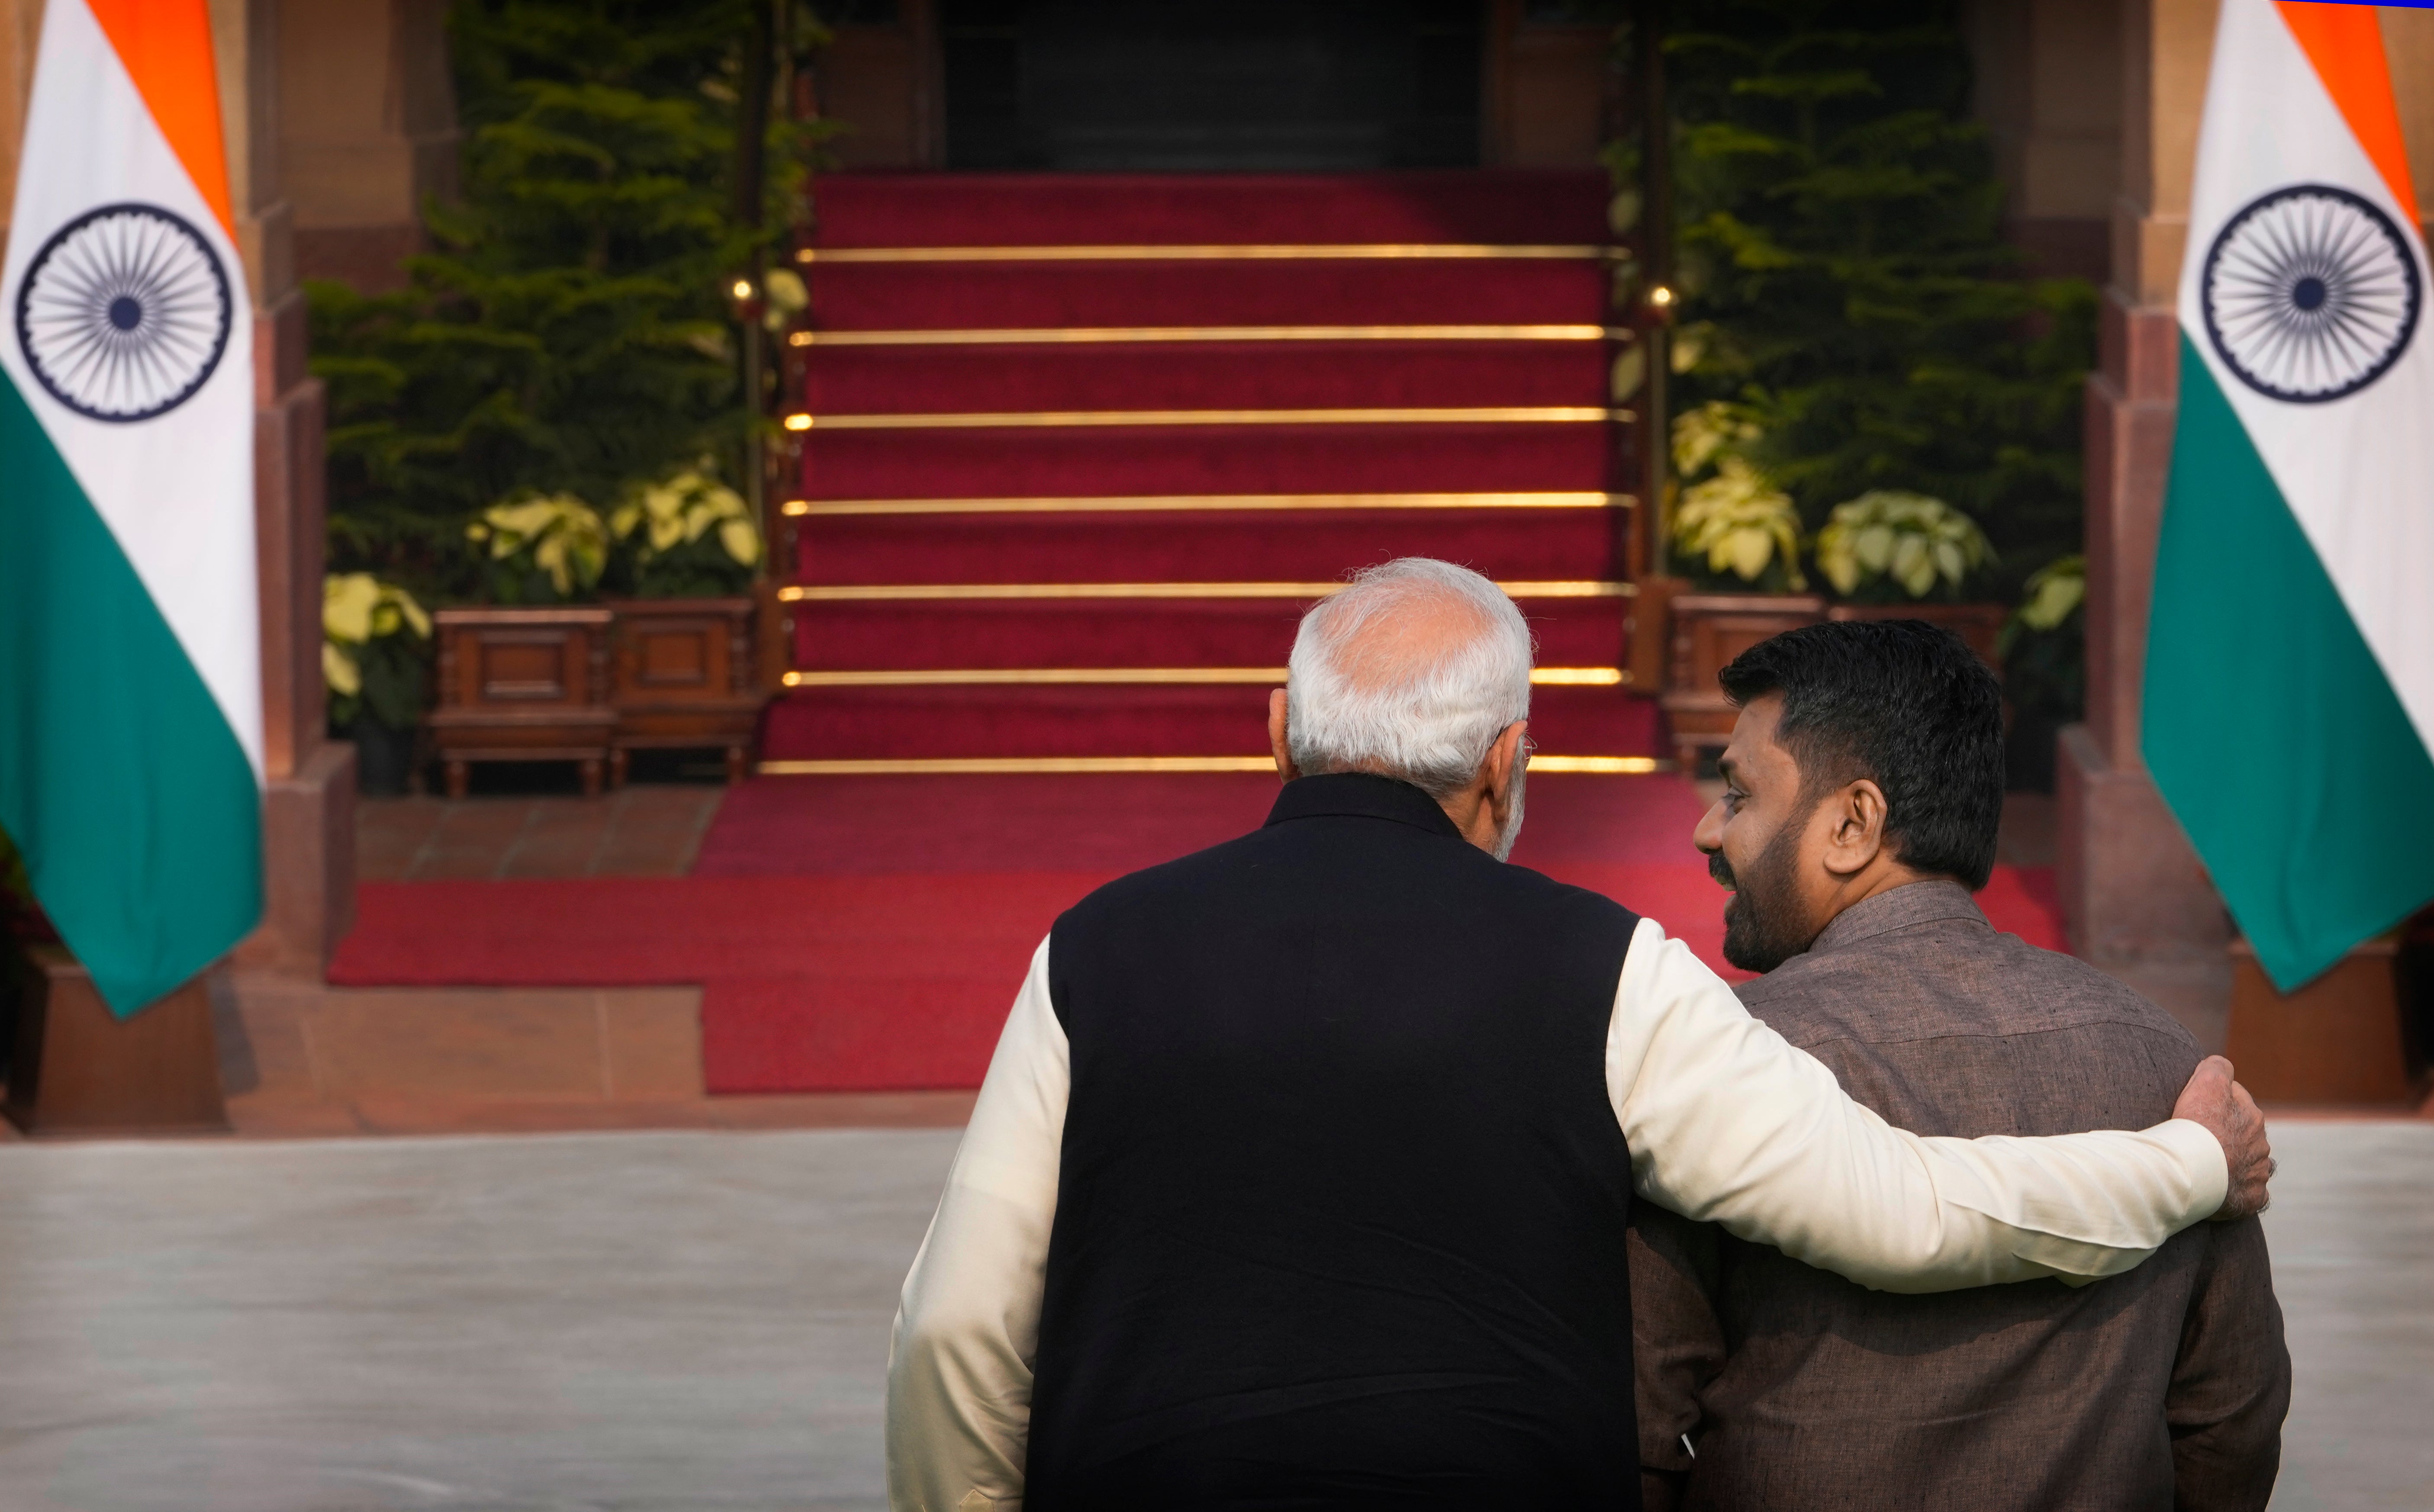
[[1729, 1123], [1677, 1343], [2231, 1380], [968, 1324]]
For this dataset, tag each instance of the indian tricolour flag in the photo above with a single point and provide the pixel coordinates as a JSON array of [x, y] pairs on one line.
[[2289, 691], [131, 683]]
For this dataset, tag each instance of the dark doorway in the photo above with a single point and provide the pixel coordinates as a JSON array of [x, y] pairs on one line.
[[1179, 86]]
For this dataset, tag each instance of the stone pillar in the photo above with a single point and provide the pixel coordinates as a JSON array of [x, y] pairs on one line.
[[366, 130], [2048, 90], [21, 28], [2138, 902], [2408, 47], [308, 813]]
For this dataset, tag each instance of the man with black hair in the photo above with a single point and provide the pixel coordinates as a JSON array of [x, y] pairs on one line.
[[1863, 788]]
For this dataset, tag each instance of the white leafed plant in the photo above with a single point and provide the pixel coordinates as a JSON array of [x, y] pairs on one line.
[[371, 650], [1907, 540], [541, 548], [687, 537]]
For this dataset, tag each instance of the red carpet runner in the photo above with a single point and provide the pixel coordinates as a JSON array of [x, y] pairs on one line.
[[1077, 450], [867, 934]]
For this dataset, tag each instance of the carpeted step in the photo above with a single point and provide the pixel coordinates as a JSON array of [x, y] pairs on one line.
[[1112, 823], [870, 724], [1276, 545], [1141, 459], [996, 296], [849, 384], [1505, 205], [959, 633], [1204, 375]]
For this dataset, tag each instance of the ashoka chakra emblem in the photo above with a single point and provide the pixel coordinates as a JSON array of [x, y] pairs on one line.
[[2310, 293], [124, 313]]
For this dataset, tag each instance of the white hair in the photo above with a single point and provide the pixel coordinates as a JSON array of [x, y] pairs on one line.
[[1412, 671]]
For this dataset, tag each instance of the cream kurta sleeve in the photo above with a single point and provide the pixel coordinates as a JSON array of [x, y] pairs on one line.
[[968, 1324], [1729, 1122]]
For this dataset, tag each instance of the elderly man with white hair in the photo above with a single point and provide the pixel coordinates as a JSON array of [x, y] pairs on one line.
[[1301, 1172]]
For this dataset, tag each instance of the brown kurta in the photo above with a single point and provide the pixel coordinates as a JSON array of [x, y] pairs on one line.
[[2163, 1387]]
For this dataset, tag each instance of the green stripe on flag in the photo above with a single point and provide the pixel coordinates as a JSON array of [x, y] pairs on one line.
[[2269, 725], [120, 779]]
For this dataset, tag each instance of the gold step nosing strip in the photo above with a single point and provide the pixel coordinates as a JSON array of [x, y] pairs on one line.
[[975, 766], [1217, 252], [1029, 677], [984, 677], [1214, 502], [1046, 335], [1072, 419], [1611, 766], [985, 765], [864, 592]]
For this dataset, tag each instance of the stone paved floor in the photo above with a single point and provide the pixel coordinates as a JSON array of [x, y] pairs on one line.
[[697, 1322], [638, 1322], [2352, 1227], [639, 831]]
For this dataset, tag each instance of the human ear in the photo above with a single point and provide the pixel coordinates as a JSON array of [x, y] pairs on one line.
[[1856, 834], [1282, 749], [1503, 760]]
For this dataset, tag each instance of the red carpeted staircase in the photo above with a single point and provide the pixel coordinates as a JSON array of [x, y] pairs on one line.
[[1078, 450]]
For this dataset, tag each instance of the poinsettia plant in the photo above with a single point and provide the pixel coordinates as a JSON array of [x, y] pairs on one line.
[[1886, 545], [1730, 517], [374, 641], [541, 548], [686, 537]]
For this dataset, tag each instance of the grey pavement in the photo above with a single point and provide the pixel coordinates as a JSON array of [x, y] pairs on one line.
[[664, 1321], [524, 1324], [2352, 1231]]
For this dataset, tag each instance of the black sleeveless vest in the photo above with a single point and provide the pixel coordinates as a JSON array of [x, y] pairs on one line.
[[1340, 1214]]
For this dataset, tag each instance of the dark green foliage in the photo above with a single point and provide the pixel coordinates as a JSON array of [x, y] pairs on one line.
[[1845, 276], [393, 670], [696, 569], [2046, 671], [569, 330]]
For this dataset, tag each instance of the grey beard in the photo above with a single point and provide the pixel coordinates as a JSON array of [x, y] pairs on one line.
[[1511, 829]]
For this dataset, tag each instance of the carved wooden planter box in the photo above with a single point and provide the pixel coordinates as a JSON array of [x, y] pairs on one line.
[[523, 685], [1980, 625], [684, 678], [1708, 631]]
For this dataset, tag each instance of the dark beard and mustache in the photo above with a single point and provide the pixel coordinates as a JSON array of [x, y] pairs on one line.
[[1762, 924]]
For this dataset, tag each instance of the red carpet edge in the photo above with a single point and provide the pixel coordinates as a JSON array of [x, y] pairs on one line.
[[863, 983]]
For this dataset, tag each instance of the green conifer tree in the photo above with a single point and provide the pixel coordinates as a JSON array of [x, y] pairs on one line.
[[569, 330], [1845, 279]]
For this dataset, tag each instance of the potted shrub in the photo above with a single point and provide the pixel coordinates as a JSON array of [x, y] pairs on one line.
[[682, 675], [1891, 554], [375, 639], [1736, 538], [525, 677], [1887, 554], [2045, 675]]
